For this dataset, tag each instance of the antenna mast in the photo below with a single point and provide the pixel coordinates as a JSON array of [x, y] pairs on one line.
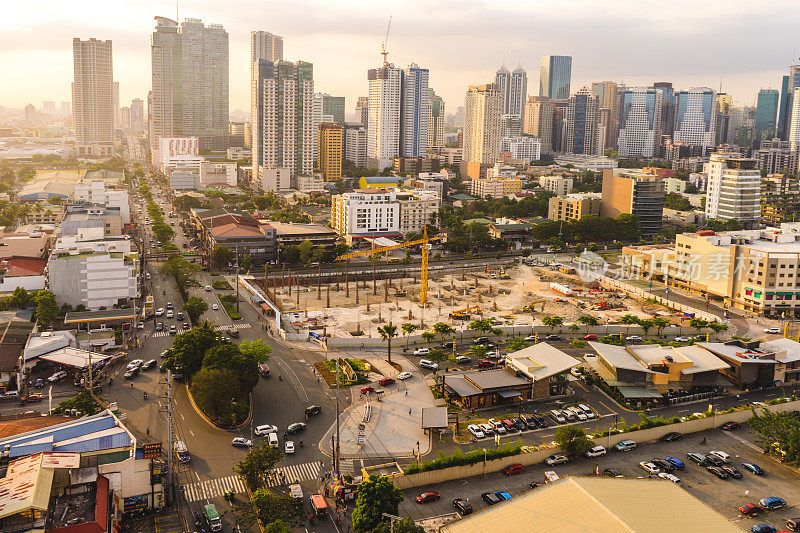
[[384, 52]]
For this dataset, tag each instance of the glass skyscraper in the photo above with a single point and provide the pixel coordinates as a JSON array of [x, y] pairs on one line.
[[554, 77], [766, 111]]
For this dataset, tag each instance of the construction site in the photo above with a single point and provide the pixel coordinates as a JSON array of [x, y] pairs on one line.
[[521, 295]]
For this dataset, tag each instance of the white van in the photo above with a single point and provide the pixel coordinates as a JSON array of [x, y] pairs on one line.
[[273, 440]]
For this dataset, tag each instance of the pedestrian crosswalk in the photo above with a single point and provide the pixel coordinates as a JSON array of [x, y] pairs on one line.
[[216, 328], [213, 488]]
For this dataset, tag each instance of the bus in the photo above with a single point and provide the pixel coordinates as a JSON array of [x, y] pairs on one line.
[[182, 452]]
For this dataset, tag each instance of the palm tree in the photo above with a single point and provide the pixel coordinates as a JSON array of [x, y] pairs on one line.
[[552, 322], [660, 324], [718, 328], [388, 332], [629, 320], [588, 321], [428, 337], [574, 328], [646, 325], [408, 329]]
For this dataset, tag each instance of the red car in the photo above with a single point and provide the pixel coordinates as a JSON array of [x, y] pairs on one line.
[[750, 509], [426, 497], [590, 337], [385, 381], [730, 426], [509, 425], [367, 389], [516, 468], [484, 363]]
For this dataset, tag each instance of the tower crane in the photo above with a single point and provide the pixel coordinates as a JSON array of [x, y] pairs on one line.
[[423, 290], [384, 51]]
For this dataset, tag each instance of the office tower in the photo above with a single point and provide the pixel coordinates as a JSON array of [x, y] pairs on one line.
[[634, 192], [695, 117], [640, 122], [115, 105], [667, 108], [793, 120], [734, 188], [333, 106], [93, 98], [137, 115], [125, 118], [66, 108], [435, 120], [788, 84], [264, 45], [331, 144], [383, 124], [607, 124], [502, 81], [362, 109], [459, 117], [513, 89], [723, 105], [355, 144], [539, 111], [190, 83], [766, 112], [283, 136], [581, 121], [414, 111], [554, 77], [482, 107]]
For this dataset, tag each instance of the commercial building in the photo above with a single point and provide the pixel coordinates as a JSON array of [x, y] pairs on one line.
[[555, 74], [355, 144], [522, 147], [384, 119], [733, 190], [495, 187], [573, 206], [93, 98], [184, 180], [81, 219], [436, 116], [214, 174], [178, 151], [634, 192], [766, 114], [607, 116], [438, 182], [414, 111], [479, 388], [777, 156], [640, 122], [97, 192], [362, 110], [331, 145], [696, 117], [558, 185], [366, 213], [788, 85], [780, 199], [482, 107], [418, 208], [236, 231], [513, 89], [290, 233], [313, 183], [43, 214], [586, 162], [93, 272], [539, 113], [581, 122]]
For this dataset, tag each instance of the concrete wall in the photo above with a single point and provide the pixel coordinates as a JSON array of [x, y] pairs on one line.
[[645, 435]]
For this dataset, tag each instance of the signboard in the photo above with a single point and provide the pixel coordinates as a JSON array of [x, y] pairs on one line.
[[361, 438], [151, 450]]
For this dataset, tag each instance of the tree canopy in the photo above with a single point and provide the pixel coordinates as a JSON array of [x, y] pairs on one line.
[[376, 496]]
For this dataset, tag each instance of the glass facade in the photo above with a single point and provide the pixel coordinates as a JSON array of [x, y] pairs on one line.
[[766, 111], [554, 77]]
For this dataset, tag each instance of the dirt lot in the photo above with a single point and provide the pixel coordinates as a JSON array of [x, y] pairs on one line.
[[723, 495]]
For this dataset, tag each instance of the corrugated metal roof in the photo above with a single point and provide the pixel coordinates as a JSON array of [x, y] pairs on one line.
[[66, 431], [106, 442]]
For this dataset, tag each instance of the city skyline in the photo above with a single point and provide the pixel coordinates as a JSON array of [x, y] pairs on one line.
[[455, 60]]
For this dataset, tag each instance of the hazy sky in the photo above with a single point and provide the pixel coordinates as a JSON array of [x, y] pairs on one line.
[[746, 44]]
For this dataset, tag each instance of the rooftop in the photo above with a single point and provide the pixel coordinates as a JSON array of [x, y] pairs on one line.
[[735, 352], [785, 350], [701, 360], [100, 316], [475, 381], [28, 481], [541, 361], [619, 357], [287, 228]]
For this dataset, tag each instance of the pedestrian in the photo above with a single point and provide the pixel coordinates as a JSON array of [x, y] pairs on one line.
[[409, 411], [406, 392], [148, 432]]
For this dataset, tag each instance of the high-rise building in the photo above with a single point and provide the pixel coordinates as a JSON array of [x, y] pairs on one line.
[[581, 120], [283, 136], [634, 192], [513, 89], [125, 118], [137, 115], [318, 118], [333, 106], [93, 97], [190, 82], [482, 107], [539, 111], [793, 120], [362, 109], [788, 84], [265, 45], [724, 102], [695, 117], [414, 111], [435, 120], [355, 143], [554, 77], [640, 122], [66, 108], [49, 108], [383, 125], [667, 108], [115, 105], [733, 190], [331, 144], [607, 126], [766, 113], [522, 147]]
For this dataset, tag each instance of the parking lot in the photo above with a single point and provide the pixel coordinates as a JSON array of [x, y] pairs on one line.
[[725, 496]]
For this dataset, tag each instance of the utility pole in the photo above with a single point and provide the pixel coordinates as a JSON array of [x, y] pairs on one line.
[[337, 453], [237, 279], [169, 435]]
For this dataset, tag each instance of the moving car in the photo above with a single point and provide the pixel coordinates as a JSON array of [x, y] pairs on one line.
[[649, 467], [312, 410], [404, 375], [159, 326], [750, 509], [159, 311], [130, 374], [553, 338], [386, 381], [516, 468], [185, 325], [179, 316], [241, 442], [170, 306], [173, 330], [633, 338], [596, 451], [288, 447], [367, 389], [426, 363], [681, 339], [774, 330], [490, 498], [717, 471], [232, 332], [671, 477], [214, 307], [556, 459], [672, 436], [136, 363], [422, 351], [149, 364], [463, 506], [475, 431], [771, 503], [265, 429], [296, 427], [208, 288], [170, 314], [730, 426], [462, 360], [590, 337], [430, 496]]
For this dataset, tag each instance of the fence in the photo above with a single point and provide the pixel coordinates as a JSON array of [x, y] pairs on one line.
[[638, 291]]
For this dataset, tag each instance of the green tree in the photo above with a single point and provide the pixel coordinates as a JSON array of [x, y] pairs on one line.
[[428, 336], [376, 496], [574, 328], [222, 256], [257, 465], [278, 526], [552, 322], [406, 525], [162, 232], [573, 440], [483, 325], [20, 298], [718, 327], [258, 350], [46, 308], [195, 307], [443, 329], [516, 344], [214, 391], [189, 348], [408, 329], [388, 332], [270, 508], [629, 320], [698, 324], [247, 263], [589, 321], [646, 324], [306, 248], [780, 428], [660, 324]]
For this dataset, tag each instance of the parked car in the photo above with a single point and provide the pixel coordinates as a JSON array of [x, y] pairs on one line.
[[422, 351], [557, 416], [480, 340], [429, 496], [717, 471], [649, 467], [553, 338], [241, 442], [733, 472], [130, 374], [730, 426], [541, 421], [762, 528], [625, 445], [490, 498], [312, 410], [516, 468], [771, 503], [596, 451], [664, 466], [579, 414], [773, 330], [462, 506], [520, 424], [681, 339], [698, 458], [149, 364], [714, 460], [503, 495], [475, 431], [404, 375], [556, 459], [498, 426], [750, 509], [611, 472], [509, 425], [722, 456], [590, 337], [296, 427], [586, 410], [672, 436], [754, 468], [487, 429], [430, 365], [675, 462], [793, 524]]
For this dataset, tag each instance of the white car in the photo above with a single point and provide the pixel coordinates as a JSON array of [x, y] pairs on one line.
[[427, 363], [649, 467], [136, 363], [530, 338], [476, 431], [58, 376], [422, 351], [493, 355], [557, 459], [775, 330], [633, 338], [596, 451], [579, 414], [215, 307], [586, 410], [487, 429], [170, 314], [208, 287], [266, 429], [241, 442], [557, 416], [288, 447], [159, 311], [498, 426], [681, 339], [671, 477], [404, 375], [722, 456]]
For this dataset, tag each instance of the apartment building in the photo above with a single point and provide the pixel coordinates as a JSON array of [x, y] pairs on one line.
[[558, 185], [43, 214], [573, 206], [355, 144], [634, 192], [733, 191], [213, 174], [331, 144], [674, 185], [495, 187], [366, 213], [522, 147], [418, 208]]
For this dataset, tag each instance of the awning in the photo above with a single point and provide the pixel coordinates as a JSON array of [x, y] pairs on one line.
[[637, 392], [434, 417], [509, 394]]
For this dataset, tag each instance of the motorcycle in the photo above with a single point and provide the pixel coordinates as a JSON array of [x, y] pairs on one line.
[[197, 518], [144, 395]]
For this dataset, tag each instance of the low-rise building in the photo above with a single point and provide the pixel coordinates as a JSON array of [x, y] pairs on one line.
[[586, 162], [312, 183], [485, 388], [558, 185], [184, 180], [418, 208], [81, 219], [43, 214], [213, 174], [366, 213], [237, 231], [412, 166], [288, 233], [573, 206], [544, 365], [25, 272], [525, 147], [674, 185], [24, 245], [495, 187]]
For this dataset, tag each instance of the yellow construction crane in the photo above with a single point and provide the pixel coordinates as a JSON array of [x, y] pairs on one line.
[[423, 290]]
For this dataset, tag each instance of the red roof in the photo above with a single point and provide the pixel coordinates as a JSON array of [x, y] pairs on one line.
[[25, 266]]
